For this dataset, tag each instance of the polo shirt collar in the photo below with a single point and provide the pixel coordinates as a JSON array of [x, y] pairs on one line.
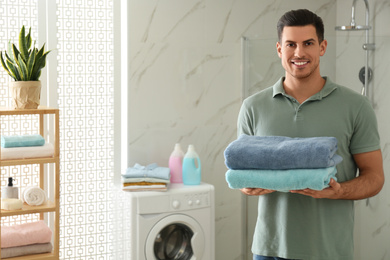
[[328, 88]]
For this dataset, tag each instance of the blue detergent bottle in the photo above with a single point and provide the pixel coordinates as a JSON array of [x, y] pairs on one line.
[[191, 167]]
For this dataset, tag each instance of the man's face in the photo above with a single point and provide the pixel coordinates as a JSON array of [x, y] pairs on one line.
[[300, 51]]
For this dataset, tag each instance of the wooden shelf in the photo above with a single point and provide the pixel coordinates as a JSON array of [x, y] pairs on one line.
[[28, 161], [48, 206], [42, 110], [46, 256]]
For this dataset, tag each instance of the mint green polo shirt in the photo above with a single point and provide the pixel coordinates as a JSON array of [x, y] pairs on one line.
[[296, 226]]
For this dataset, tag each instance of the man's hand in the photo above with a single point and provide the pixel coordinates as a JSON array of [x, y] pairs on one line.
[[367, 184], [331, 192], [255, 191]]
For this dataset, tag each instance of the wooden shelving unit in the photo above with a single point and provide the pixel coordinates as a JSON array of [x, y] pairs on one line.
[[53, 204]]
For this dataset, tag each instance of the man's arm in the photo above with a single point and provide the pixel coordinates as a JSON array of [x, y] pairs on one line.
[[369, 182]]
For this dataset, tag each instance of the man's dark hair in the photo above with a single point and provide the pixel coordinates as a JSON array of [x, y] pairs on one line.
[[301, 17]]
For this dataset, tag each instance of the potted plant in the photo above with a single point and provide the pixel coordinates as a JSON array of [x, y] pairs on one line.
[[24, 65]]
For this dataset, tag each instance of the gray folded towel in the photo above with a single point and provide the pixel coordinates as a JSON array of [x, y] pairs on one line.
[[279, 152], [26, 250]]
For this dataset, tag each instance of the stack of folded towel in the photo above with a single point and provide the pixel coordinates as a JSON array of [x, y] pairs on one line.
[[25, 146], [146, 178], [25, 239], [281, 163]]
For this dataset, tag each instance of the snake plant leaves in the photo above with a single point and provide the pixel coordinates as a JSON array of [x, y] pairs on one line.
[[40, 63], [30, 62], [22, 69], [23, 46], [27, 62], [10, 50], [5, 66]]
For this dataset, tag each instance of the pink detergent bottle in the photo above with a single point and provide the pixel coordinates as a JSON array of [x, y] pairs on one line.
[[176, 164]]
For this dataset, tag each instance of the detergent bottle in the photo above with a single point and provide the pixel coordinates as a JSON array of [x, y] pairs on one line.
[[191, 167], [176, 164]]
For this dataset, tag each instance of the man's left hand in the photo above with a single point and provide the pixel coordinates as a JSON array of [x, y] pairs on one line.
[[331, 192]]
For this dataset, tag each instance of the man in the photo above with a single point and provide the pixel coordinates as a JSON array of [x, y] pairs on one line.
[[308, 224]]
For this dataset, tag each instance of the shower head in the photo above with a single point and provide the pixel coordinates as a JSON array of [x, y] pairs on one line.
[[353, 28]]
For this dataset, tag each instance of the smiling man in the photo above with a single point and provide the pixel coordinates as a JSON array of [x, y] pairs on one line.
[[310, 224]]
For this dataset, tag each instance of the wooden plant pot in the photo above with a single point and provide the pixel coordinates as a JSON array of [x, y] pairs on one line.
[[25, 94]]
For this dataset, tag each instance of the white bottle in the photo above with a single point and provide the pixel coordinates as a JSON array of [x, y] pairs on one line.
[[191, 167], [176, 164]]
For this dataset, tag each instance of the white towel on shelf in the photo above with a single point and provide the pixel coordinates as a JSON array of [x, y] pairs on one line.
[[46, 150], [34, 196]]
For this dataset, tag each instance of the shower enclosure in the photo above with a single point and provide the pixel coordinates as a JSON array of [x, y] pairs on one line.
[[365, 74]]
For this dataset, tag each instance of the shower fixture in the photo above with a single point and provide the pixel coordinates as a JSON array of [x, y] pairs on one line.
[[365, 72]]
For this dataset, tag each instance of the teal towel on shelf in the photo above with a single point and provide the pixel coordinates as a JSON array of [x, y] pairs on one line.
[[150, 171], [281, 180], [280, 152], [22, 141]]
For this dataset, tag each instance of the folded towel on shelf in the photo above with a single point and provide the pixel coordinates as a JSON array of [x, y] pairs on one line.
[[11, 204], [143, 179], [26, 250], [21, 140], [13, 153], [150, 171], [281, 180], [25, 234], [34, 196], [279, 152]]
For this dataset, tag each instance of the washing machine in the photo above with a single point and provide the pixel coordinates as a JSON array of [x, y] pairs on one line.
[[174, 225]]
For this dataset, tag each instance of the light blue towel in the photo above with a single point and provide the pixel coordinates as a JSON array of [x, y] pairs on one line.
[[22, 141], [279, 152], [150, 171], [281, 180]]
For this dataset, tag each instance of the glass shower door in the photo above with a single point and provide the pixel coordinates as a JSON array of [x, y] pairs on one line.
[[261, 68]]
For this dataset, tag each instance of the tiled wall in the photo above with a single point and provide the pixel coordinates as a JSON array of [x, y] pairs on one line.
[[186, 86]]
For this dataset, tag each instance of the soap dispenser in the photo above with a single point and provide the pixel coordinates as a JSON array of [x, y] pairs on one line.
[[191, 167], [9, 191]]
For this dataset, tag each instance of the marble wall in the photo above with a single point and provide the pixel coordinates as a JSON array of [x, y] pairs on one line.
[[185, 72], [372, 226]]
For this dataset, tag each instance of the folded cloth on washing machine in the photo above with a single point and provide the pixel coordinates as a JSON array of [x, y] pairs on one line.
[[143, 183], [150, 171], [143, 179], [154, 187], [281, 152], [281, 180]]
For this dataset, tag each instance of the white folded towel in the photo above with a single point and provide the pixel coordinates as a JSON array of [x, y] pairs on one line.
[[46, 150], [34, 196]]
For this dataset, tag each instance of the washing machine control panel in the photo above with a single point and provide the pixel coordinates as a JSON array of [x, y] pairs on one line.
[[190, 201]]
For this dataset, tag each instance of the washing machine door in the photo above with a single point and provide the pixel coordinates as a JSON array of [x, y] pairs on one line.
[[175, 237]]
